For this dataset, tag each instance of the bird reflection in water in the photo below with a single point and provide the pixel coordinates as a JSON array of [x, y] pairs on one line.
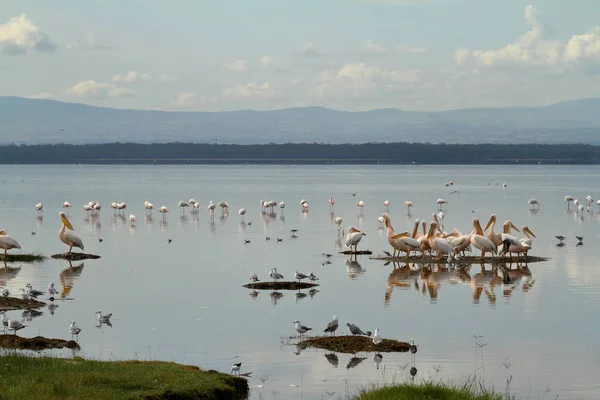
[[299, 348], [213, 227], [300, 295], [377, 358], [8, 273], [354, 361], [29, 315], [253, 294], [275, 296], [39, 221], [164, 224], [183, 219], [353, 267], [312, 292], [403, 277], [52, 307], [67, 277], [149, 220], [94, 223], [333, 359], [242, 228]]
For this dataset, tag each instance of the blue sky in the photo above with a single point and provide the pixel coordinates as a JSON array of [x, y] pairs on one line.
[[269, 54]]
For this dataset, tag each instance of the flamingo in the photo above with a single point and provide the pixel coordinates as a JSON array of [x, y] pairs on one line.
[[534, 203], [97, 208], [338, 221], [113, 205], [408, 205], [282, 206], [66, 205], [211, 208], [163, 210], [331, 203], [40, 208], [224, 206], [568, 200], [386, 204], [440, 203], [361, 206], [132, 219], [148, 206], [182, 205]]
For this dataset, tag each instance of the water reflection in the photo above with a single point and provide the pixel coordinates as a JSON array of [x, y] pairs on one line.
[[149, 220], [39, 221], [354, 361], [8, 273], [29, 315], [275, 296], [428, 279], [253, 294], [68, 276], [52, 307], [353, 267], [377, 358], [333, 359]]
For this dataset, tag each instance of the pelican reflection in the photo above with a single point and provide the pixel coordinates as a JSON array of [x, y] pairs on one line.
[[68, 276], [8, 273], [353, 267], [403, 277]]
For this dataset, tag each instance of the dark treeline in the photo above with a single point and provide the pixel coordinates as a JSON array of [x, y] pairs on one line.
[[308, 153]]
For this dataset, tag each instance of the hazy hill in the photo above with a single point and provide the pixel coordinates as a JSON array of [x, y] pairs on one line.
[[39, 121]]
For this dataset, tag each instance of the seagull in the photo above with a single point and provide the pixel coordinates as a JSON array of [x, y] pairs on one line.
[[74, 329], [353, 194], [355, 330], [254, 278], [51, 290], [15, 326], [377, 337], [299, 276], [5, 292], [326, 262], [33, 292], [332, 326], [327, 255], [301, 329], [103, 318], [279, 240], [312, 277], [561, 238], [275, 275], [236, 368]]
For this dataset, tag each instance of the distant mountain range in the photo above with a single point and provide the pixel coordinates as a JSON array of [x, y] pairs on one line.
[[30, 121]]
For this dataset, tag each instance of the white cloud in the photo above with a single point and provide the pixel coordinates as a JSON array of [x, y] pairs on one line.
[[184, 100], [20, 35], [98, 90], [374, 49], [131, 76], [534, 49], [409, 49], [309, 50], [90, 44], [266, 91], [236, 66], [43, 95], [270, 62]]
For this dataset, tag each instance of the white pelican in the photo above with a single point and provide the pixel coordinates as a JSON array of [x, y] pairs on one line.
[[402, 242], [461, 243], [441, 246], [7, 242], [386, 204], [39, 207], [354, 237], [68, 238], [533, 202], [182, 205], [497, 238], [132, 219], [331, 203], [568, 200], [242, 212], [528, 240], [163, 210], [440, 203], [481, 242], [510, 246], [423, 240]]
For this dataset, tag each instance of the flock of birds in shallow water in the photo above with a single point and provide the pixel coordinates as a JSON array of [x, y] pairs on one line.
[[433, 240]]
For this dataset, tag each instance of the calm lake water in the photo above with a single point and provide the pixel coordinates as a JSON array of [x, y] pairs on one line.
[[184, 301]]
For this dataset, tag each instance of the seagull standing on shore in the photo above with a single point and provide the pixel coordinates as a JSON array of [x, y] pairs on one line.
[[236, 368], [74, 330], [301, 329], [332, 326], [377, 337], [355, 330], [275, 275], [51, 290]]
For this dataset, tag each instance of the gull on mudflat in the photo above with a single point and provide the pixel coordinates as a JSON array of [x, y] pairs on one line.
[[33, 291], [103, 318], [299, 276], [312, 277], [275, 275], [377, 337], [332, 326], [236, 368], [355, 330], [74, 330], [301, 329], [51, 290], [254, 278]]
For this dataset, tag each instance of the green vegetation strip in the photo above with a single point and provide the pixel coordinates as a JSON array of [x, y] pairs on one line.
[[23, 257], [430, 391], [45, 377]]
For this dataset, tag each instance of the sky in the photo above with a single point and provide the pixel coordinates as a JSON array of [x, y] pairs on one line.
[[197, 55]]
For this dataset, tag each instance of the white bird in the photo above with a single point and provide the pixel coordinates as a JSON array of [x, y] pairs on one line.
[[236, 368], [408, 204], [301, 329], [7, 242], [377, 337], [39, 207], [103, 318], [183, 204], [114, 207], [87, 208], [386, 204], [211, 207], [568, 200], [192, 201], [381, 221], [312, 277], [338, 221], [254, 278], [97, 208], [68, 238], [14, 325], [275, 275], [66, 205], [148, 206], [121, 206], [242, 212], [282, 205], [132, 219], [533, 202], [331, 203], [223, 205], [354, 237], [74, 330], [361, 205], [441, 202], [51, 290]]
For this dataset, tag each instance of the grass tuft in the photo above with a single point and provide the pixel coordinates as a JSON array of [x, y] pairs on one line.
[[429, 390], [23, 257], [46, 377]]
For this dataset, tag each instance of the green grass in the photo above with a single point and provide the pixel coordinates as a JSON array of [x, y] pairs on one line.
[[430, 391], [24, 257], [46, 377]]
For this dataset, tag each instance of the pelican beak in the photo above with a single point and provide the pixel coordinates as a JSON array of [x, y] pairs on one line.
[[490, 222], [526, 229], [514, 227], [66, 222], [400, 235]]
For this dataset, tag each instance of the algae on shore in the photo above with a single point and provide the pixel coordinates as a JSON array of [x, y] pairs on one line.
[[35, 343], [75, 256], [15, 303], [353, 344], [282, 285], [22, 257]]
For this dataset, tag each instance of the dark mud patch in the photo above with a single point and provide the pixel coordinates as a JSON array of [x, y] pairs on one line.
[[280, 285], [76, 256], [357, 253], [36, 343], [353, 344], [15, 303]]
